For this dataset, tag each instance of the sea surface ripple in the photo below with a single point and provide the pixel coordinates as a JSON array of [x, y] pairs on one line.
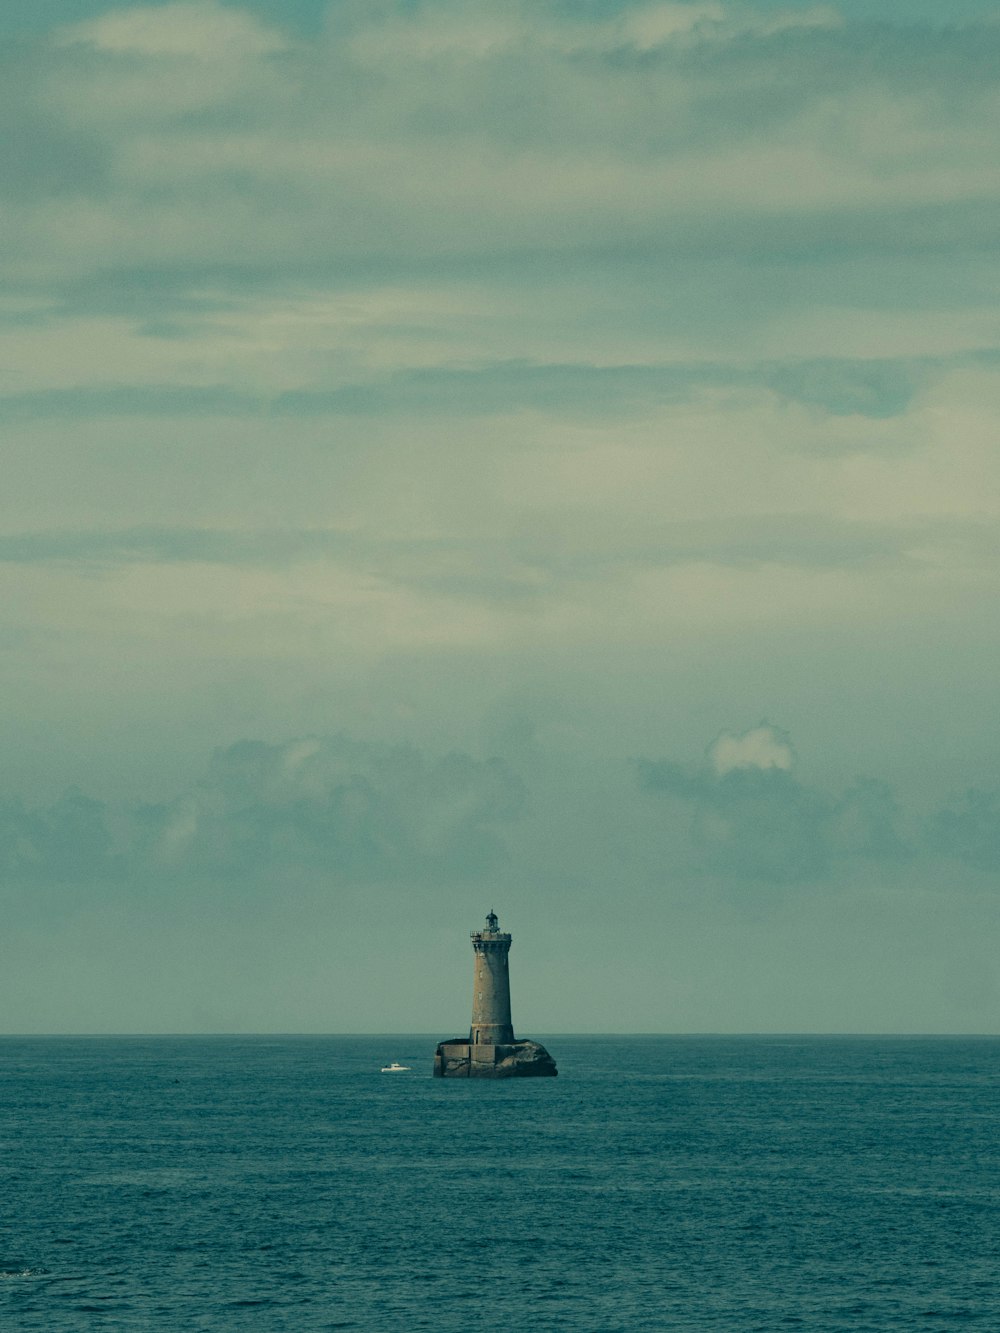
[[284, 1183]]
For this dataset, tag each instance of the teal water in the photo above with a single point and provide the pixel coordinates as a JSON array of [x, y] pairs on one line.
[[658, 1183]]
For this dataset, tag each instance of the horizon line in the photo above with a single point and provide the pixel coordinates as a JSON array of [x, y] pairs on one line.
[[435, 1037]]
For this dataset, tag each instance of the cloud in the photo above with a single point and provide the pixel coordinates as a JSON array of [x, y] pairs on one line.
[[969, 830], [349, 811], [764, 747], [446, 130], [866, 820], [837, 386], [446, 214], [355, 811], [750, 818], [645, 321], [69, 840], [875, 388], [81, 404], [204, 30], [42, 154]]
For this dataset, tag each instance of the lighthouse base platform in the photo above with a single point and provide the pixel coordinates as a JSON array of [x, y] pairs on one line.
[[461, 1058]]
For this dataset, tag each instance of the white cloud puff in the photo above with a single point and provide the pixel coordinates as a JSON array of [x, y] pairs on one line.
[[762, 747]]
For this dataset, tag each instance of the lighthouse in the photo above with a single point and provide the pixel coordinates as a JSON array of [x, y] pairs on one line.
[[491, 1050], [491, 1023]]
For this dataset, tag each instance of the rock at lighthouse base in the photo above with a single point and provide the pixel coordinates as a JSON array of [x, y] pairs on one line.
[[527, 1059], [518, 1059]]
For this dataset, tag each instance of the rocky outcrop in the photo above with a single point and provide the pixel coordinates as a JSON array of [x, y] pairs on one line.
[[527, 1059], [517, 1059]]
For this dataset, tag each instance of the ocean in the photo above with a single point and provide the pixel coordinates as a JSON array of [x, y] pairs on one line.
[[284, 1183]]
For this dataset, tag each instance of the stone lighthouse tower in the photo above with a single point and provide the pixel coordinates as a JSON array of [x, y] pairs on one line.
[[491, 1050], [491, 1023]]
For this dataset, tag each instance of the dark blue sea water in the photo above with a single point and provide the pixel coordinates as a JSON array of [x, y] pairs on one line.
[[658, 1183]]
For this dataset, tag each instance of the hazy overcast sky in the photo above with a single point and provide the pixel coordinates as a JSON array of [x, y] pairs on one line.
[[540, 456]]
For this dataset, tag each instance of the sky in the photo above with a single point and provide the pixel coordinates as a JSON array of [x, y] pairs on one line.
[[540, 457]]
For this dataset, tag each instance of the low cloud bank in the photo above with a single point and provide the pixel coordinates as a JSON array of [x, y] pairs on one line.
[[355, 812], [351, 809], [750, 818]]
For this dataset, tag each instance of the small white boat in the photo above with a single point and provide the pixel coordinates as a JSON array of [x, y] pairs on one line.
[[396, 1068]]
